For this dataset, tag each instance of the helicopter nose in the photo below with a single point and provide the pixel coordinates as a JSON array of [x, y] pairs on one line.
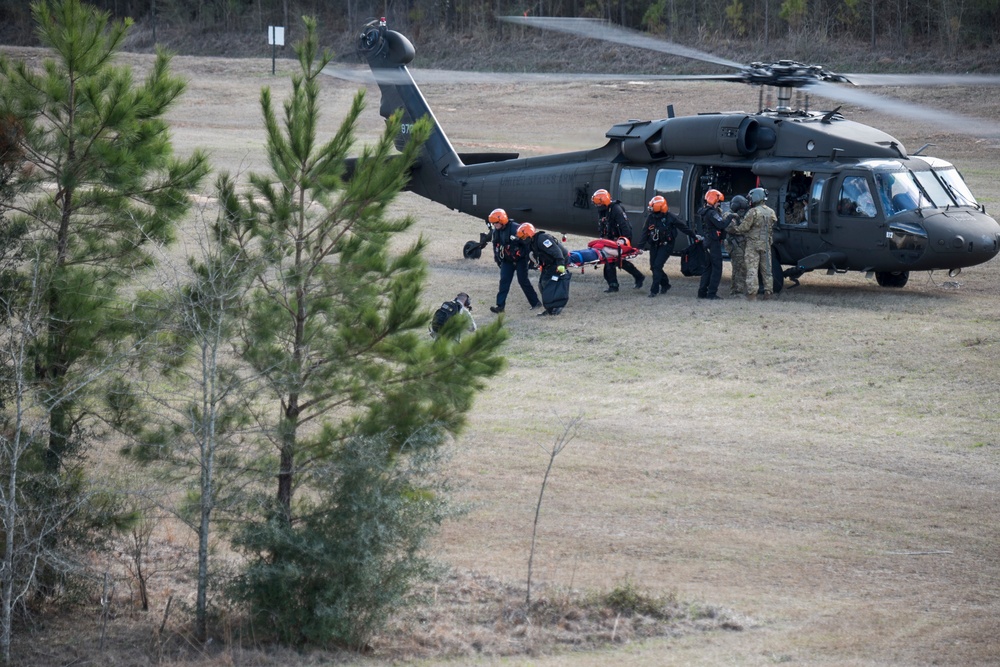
[[964, 238]]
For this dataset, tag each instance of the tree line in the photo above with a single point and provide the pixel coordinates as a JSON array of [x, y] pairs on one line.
[[275, 388], [900, 25]]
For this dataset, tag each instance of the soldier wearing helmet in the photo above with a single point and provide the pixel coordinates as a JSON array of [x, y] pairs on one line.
[[736, 246], [551, 257], [657, 236], [757, 228], [511, 255], [713, 226], [613, 224]]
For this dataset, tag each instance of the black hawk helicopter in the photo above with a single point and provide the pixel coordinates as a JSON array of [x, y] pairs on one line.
[[849, 197]]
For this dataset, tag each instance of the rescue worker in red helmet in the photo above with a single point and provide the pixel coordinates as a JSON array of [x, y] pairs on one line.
[[658, 234], [713, 228], [612, 223], [551, 257], [511, 255]]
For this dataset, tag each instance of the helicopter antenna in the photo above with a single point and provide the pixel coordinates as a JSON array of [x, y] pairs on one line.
[[828, 116], [922, 148]]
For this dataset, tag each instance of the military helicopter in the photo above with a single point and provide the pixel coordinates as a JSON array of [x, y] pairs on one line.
[[849, 197]]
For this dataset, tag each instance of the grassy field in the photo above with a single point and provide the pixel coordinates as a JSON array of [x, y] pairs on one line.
[[825, 465]]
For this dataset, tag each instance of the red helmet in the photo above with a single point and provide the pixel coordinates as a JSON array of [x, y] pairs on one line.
[[602, 197], [526, 231], [713, 197], [498, 217], [658, 204]]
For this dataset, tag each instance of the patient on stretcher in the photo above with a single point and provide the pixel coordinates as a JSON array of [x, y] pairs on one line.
[[602, 251]]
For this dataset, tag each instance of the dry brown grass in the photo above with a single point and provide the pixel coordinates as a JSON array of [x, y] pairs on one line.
[[826, 464]]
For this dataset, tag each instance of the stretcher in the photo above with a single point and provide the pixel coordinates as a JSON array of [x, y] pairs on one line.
[[602, 251]]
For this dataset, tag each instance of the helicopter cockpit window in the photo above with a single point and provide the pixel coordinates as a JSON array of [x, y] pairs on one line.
[[856, 198], [956, 186], [899, 192], [934, 188], [632, 188]]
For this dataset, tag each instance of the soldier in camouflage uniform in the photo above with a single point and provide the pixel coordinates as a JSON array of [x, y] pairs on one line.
[[736, 245], [757, 228]]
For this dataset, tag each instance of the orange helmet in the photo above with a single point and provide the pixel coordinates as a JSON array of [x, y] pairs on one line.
[[498, 217], [526, 231], [658, 204], [713, 197], [602, 197]]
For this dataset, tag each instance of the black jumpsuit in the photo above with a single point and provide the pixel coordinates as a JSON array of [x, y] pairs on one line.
[[550, 255], [511, 256], [714, 226], [612, 224], [657, 236]]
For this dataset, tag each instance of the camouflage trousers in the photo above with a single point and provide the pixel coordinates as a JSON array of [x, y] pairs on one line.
[[736, 247], [758, 263]]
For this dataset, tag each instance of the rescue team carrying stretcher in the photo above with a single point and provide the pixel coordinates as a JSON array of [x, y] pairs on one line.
[[518, 247]]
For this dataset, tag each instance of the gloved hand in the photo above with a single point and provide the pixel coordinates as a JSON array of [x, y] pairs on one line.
[[699, 237], [561, 269]]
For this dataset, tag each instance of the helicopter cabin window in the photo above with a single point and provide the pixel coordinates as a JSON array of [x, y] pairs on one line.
[[856, 198], [668, 184], [632, 188], [815, 198], [797, 198]]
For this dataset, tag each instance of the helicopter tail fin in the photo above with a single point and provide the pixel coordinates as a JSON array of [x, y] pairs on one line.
[[388, 53]]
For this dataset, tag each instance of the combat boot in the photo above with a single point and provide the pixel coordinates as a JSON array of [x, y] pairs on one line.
[[766, 296], [751, 297], [496, 309], [612, 287]]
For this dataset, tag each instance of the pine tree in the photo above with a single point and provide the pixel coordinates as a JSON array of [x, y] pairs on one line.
[[336, 327], [336, 323], [100, 187]]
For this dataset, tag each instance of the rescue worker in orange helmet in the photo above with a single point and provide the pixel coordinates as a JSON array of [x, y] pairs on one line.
[[657, 237], [713, 227], [511, 255], [612, 223], [551, 257]]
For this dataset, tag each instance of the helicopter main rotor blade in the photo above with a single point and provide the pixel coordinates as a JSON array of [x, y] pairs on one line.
[[445, 77], [602, 30], [925, 79], [946, 120]]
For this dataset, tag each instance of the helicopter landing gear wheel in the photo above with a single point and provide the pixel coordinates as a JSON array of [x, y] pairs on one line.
[[892, 278], [777, 273]]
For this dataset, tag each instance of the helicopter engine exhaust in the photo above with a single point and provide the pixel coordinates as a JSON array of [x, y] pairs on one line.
[[737, 135]]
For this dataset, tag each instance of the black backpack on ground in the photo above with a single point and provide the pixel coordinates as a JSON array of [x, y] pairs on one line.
[[694, 259], [447, 310]]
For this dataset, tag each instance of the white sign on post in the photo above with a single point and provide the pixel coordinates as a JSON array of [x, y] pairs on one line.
[[276, 38]]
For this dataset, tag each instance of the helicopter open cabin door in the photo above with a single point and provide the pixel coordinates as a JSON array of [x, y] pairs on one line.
[[856, 221]]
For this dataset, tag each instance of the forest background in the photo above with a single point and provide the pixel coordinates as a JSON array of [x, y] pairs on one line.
[[846, 35]]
